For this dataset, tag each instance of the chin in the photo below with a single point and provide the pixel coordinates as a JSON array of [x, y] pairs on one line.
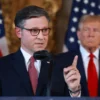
[[40, 49]]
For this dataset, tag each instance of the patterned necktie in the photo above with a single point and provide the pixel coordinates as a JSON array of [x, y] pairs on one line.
[[33, 75], [92, 78]]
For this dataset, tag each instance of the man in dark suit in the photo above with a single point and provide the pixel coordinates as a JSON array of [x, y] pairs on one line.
[[89, 36], [32, 28], [20, 73]]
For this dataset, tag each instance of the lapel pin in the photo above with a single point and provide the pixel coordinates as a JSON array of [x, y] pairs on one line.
[[48, 62]]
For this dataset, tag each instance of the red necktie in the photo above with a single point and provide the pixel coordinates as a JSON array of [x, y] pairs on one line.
[[92, 78], [33, 75]]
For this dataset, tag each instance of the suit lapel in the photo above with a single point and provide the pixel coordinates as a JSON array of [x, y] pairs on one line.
[[83, 76], [99, 76], [43, 78], [20, 68]]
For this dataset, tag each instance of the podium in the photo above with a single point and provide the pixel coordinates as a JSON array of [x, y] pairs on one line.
[[47, 98]]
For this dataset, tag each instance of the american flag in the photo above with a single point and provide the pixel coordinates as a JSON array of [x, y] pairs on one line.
[[3, 41], [79, 8]]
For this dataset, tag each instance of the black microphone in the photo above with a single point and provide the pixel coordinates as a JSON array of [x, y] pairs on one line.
[[43, 55]]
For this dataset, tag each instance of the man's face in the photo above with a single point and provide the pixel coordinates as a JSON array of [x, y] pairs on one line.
[[89, 35], [34, 43]]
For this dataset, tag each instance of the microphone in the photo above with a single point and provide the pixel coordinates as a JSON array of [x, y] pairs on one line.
[[42, 55]]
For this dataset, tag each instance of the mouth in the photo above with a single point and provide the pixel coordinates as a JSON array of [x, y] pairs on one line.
[[90, 41], [39, 43]]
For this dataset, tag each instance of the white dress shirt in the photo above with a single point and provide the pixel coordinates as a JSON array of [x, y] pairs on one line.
[[85, 57], [27, 57]]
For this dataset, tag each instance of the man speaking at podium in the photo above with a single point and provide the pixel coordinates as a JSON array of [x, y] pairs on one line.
[[20, 73]]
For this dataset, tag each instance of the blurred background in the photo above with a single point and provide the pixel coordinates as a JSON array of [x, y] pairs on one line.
[[65, 15], [59, 11]]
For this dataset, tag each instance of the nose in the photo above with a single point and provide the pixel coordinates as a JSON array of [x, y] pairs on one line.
[[40, 35], [91, 33]]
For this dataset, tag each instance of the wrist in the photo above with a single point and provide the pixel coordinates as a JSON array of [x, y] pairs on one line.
[[76, 90]]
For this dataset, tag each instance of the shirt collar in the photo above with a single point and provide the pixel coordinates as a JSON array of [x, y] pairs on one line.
[[85, 53], [26, 55], [96, 53]]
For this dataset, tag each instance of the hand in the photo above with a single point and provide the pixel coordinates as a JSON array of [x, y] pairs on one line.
[[72, 76]]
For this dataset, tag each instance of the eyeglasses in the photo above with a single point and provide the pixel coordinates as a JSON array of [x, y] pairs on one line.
[[35, 31]]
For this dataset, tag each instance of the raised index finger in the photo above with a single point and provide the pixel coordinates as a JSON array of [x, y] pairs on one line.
[[74, 64]]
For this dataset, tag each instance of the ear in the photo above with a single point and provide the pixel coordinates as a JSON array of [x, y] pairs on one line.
[[78, 34], [18, 32]]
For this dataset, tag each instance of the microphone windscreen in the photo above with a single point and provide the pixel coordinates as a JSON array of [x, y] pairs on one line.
[[42, 55]]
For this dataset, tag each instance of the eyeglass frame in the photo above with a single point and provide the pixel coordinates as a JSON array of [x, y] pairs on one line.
[[30, 30]]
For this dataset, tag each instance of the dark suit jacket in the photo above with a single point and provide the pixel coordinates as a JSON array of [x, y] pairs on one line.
[[14, 78], [59, 86]]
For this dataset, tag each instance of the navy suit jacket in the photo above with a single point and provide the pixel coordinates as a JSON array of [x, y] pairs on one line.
[[59, 87], [14, 78]]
